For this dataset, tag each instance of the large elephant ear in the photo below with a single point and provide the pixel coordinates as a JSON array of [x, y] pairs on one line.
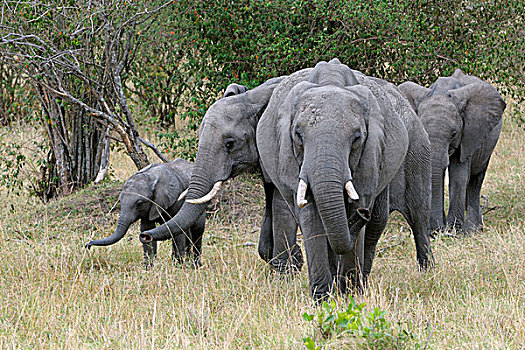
[[481, 107], [166, 191], [259, 97], [384, 149], [234, 89], [414, 93]]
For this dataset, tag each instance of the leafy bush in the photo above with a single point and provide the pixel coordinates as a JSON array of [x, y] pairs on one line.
[[198, 47], [369, 329]]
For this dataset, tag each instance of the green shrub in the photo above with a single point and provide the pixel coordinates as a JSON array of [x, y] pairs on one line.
[[369, 330], [198, 47]]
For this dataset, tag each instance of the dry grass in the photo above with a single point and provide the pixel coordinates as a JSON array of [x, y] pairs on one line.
[[56, 294]]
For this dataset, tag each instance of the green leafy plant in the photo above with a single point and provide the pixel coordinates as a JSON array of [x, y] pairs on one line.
[[369, 329]]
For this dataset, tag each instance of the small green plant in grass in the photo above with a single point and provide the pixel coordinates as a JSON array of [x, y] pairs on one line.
[[370, 330]]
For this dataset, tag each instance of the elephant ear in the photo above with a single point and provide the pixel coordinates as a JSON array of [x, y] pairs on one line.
[[275, 143], [414, 93], [234, 89], [384, 149], [481, 107], [166, 191], [259, 97]]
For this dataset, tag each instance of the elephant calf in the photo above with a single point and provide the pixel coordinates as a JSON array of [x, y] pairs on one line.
[[154, 195], [462, 116]]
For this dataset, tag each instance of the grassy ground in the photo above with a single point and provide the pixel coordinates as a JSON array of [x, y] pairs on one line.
[[56, 294]]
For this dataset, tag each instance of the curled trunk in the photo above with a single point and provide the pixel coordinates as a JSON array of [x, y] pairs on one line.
[[202, 180]]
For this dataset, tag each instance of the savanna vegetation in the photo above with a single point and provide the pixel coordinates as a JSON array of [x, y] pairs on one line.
[[103, 88]]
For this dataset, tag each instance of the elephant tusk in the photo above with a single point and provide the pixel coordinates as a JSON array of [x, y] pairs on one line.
[[183, 194], [207, 197], [301, 193], [352, 193]]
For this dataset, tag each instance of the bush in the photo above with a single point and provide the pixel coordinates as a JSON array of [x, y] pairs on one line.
[[199, 47], [368, 330]]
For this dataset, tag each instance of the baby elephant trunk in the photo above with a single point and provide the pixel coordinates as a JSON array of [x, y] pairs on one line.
[[121, 230]]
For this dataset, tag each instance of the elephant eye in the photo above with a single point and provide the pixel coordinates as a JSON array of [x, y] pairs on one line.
[[229, 143]]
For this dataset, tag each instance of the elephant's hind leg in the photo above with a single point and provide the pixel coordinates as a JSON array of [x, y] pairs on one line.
[[417, 203]]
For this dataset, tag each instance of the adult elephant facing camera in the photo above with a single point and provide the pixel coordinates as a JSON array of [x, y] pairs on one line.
[[344, 150], [226, 149], [462, 116]]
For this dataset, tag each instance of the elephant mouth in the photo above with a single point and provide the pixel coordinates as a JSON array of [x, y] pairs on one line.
[[303, 186]]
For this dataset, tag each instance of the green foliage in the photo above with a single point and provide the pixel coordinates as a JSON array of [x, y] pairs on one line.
[[197, 48], [370, 330]]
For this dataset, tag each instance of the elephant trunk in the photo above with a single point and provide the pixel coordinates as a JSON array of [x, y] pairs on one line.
[[202, 183], [439, 164], [122, 228], [359, 219], [327, 187]]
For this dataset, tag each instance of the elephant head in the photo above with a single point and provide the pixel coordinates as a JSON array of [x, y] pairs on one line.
[[149, 194], [458, 113], [329, 138], [226, 149]]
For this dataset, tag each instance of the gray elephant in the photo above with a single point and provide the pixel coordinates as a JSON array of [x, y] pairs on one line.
[[154, 195], [344, 150], [227, 148], [462, 116]]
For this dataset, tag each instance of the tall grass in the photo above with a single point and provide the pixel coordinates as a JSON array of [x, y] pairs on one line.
[[56, 294]]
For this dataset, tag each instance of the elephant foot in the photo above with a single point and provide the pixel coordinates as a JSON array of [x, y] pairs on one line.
[[284, 268], [148, 264]]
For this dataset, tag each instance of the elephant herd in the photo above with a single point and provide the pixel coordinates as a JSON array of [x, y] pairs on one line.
[[338, 152]]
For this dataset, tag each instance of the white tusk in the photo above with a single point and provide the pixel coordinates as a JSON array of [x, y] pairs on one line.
[[183, 194], [207, 197], [301, 193], [352, 193]]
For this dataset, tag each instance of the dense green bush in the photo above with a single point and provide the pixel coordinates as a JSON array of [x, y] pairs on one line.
[[199, 47]]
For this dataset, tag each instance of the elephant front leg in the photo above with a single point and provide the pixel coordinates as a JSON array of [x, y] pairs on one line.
[[197, 231], [179, 247], [150, 249], [459, 176], [319, 256], [265, 247], [287, 255], [350, 268], [374, 229]]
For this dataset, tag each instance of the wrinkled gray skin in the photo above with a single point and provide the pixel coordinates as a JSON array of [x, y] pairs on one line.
[[226, 149], [342, 125], [151, 195], [462, 116]]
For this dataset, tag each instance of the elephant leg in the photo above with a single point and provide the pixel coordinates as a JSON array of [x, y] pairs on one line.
[[197, 231], [319, 256], [374, 229], [287, 255], [265, 247], [459, 174], [349, 274], [178, 248], [474, 220], [150, 249], [415, 204]]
